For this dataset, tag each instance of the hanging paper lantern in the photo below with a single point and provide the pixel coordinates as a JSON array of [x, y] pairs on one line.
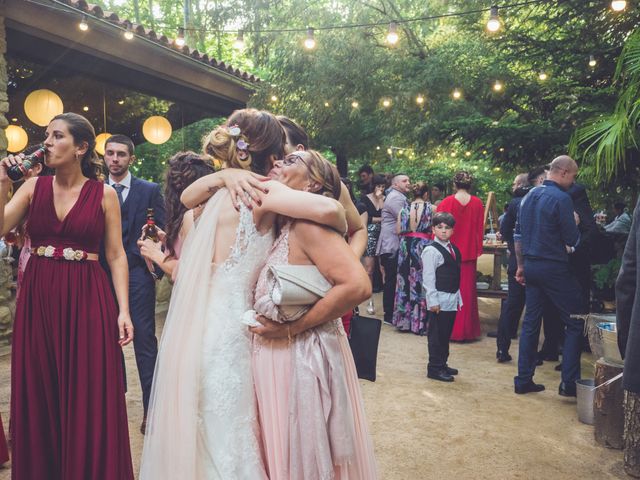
[[100, 142], [42, 105], [156, 130], [17, 138]]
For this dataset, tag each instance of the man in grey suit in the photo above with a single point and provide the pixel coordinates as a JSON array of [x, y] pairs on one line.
[[389, 241], [628, 307]]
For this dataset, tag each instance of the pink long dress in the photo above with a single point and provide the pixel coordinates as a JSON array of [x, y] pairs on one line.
[[312, 419]]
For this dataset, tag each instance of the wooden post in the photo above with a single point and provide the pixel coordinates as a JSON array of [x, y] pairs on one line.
[[608, 410], [632, 434]]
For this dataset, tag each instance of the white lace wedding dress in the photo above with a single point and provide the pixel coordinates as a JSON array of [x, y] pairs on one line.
[[202, 422], [228, 411]]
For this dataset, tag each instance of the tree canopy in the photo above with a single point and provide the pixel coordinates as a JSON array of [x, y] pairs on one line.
[[524, 90]]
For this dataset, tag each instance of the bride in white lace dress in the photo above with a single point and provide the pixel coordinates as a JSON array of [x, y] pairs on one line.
[[202, 422]]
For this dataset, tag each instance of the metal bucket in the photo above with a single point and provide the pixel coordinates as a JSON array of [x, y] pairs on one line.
[[611, 352], [585, 389], [594, 333]]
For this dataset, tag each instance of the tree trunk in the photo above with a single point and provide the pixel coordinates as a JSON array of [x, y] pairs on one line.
[[342, 163], [632, 434], [608, 410], [136, 11]]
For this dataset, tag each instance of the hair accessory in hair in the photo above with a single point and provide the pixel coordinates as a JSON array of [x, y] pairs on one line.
[[234, 130], [463, 177]]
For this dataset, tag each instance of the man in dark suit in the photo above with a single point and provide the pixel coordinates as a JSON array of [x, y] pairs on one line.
[[136, 196], [628, 307]]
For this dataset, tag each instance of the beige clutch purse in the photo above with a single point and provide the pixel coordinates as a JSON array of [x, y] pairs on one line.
[[297, 288]]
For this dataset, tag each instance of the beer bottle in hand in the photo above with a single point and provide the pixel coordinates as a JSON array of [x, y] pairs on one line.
[[16, 172], [151, 232]]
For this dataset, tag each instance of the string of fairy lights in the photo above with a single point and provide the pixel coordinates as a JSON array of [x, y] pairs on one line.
[[494, 24]]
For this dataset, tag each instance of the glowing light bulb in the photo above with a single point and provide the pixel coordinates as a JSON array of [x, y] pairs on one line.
[[121, 102], [326, 104], [618, 5], [378, 147], [355, 104], [85, 108], [497, 87], [389, 151], [180, 38], [457, 94], [419, 99], [310, 41], [83, 25], [493, 25], [543, 76], [392, 36], [386, 103], [274, 98], [467, 153], [238, 43], [592, 61]]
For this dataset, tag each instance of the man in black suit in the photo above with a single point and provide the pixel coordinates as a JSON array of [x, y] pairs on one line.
[[136, 196], [628, 307]]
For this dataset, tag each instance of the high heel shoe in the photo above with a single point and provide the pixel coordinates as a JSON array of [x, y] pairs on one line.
[[370, 308]]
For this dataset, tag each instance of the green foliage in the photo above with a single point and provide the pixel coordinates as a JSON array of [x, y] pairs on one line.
[[604, 276], [525, 124]]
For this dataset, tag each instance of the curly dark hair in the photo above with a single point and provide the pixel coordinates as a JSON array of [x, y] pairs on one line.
[[184, 169]]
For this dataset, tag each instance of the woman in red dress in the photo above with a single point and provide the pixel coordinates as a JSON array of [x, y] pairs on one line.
[[68, 411], [469, 214]]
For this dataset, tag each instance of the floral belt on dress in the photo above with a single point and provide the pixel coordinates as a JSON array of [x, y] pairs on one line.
[[59, 253]]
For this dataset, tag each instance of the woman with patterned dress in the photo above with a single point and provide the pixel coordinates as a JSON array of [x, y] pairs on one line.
[[469, 214], [414, 227], [68, 411], [372, 215]]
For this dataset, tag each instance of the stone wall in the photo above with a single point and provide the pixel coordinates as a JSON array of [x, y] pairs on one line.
[[6, 297]]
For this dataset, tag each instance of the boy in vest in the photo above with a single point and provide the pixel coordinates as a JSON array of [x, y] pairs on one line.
[[441, 282]]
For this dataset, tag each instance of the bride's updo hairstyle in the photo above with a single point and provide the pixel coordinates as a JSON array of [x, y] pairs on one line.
[[247, 140], [321, 173]]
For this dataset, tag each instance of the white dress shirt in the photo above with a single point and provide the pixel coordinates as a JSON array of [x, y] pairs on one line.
[[431, 260], [125, 182]]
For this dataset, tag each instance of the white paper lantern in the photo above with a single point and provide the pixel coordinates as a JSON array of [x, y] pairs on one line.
[[17, 138], [42, 105], [156, 130], [100, 142]]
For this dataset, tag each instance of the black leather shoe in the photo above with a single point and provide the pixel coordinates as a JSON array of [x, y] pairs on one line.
[[503, 356], [143, 426], [528, 388], [440, 375], [451, 371], [567, 390], [549, 357], [558, 367], [539, 362], [492, 334]]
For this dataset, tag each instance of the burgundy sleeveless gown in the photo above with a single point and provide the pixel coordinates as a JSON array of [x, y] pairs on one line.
[[68, 412]]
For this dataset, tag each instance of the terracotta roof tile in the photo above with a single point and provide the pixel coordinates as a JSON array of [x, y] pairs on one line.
[[111, 17]]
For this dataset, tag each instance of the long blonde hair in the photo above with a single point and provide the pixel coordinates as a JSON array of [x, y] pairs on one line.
[[260, 130]]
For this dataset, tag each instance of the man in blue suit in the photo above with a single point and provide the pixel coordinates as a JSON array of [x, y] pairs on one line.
[[136, 196]]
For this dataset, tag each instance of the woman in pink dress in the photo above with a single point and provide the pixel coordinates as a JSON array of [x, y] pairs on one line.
[[68, 410], [469, 214], [310, 407]]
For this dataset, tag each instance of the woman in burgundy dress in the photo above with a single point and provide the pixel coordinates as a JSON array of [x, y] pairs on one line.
[[469, 214], [68, 412]]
